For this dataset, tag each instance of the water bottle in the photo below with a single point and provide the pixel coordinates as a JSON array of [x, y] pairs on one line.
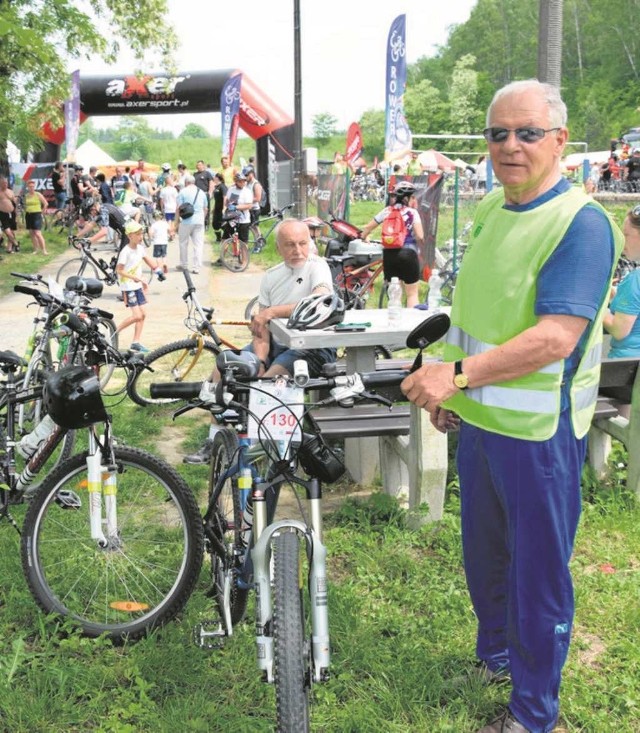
[[394, 308], [33, 440], [245, 482], [435, 285]]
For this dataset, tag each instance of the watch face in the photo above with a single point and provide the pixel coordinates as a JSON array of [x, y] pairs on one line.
[[461, 381]]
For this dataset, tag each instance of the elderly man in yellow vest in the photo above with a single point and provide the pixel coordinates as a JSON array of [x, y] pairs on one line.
[[521, 371]]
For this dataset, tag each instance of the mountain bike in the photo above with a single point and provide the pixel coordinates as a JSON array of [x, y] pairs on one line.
[[192, 357], [260, 238], [247, 548], [112, 538], [87, 265], [234, 253]]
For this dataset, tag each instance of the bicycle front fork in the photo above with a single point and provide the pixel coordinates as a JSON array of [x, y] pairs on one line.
[[102, 480], [317, 556]]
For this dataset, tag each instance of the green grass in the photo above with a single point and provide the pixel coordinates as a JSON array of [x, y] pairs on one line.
[[401, 628]]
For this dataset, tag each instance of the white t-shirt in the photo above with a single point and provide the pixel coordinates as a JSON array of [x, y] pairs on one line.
[[282, 284], [169, 198], [132, 261], [159, 232], [244, 195]]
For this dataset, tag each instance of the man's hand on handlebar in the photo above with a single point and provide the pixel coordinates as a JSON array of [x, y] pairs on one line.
[[429, 387]]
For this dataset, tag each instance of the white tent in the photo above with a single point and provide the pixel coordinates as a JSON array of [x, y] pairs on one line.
[[575, 160], [89, 154]]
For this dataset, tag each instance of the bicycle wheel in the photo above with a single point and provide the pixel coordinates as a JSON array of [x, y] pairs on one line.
[[77, 266], [225, 525], [136, 582], [291, 643], [179, 361], [251, 309], [234, 255]]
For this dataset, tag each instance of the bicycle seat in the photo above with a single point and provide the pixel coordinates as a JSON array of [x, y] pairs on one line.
[[87, 285], [9, 361]]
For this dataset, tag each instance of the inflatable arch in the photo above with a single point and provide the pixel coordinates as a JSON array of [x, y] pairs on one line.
[[196, 91]]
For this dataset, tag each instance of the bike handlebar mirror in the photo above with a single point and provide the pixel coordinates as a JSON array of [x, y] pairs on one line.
[[432, 329]]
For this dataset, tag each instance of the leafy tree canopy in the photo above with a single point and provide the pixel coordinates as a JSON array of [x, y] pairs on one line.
[[324, 125], [194, 130], [39, 41]]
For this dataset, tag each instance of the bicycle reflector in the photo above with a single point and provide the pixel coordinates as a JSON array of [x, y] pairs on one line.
[[318, 460]]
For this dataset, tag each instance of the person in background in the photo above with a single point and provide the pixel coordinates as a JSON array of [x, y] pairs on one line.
[[78, 188], [480, 173], [159, 235], [227, 170], [239, 198], [169, 203], [254, 185], [339, 166], [521, 371], [132, 283], [8, 223], [59, 183], [104, 189], [414, 167], [105, 217], [182, 174], [219, 193], [283, 286], [192, 228], [621, 318], [204, 181], [402, 262], [35, 204], [118, 181]]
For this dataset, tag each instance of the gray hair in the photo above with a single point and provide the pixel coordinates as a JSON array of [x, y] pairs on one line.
[[550, 93], [189, 179]]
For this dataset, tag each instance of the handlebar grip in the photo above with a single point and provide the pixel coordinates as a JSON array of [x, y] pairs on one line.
[[105, 314], [37, 294], [384, 377], [23, 276], [182, 390], [75, 323]]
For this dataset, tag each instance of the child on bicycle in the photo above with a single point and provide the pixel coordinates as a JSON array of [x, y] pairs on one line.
[[159, 234], [132, 283]]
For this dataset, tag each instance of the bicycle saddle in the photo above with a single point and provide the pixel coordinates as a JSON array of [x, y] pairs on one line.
[[87, 285]]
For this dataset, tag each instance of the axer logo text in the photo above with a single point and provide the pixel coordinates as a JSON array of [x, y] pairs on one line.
[[143, 86]]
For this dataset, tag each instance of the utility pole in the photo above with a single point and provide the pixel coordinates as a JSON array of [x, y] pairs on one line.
[[299, 189], [550, 42]]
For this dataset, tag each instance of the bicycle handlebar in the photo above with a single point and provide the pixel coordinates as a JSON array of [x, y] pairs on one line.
[[74, 323], [31, 278]]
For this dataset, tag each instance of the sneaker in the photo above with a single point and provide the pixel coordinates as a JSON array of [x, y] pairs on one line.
[[161, 276], [506, 723], [165, 269], [256, 249], [195, 271], [202, 455], [135, 346]]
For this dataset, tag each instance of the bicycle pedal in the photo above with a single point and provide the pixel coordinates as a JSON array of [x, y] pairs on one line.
[[209, 638]]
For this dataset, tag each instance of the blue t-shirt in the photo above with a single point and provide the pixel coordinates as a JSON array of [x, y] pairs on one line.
[[627, 300], [575, 279]]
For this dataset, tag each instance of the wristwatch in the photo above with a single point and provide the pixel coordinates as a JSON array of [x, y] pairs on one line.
[[460, 379]]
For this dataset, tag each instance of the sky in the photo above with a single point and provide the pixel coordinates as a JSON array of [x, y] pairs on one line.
[[342, 51]]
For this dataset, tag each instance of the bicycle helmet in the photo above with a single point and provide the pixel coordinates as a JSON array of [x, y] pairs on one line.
[[72, 398], [88, 204], [317, 311], [166, 167], [404, 188], [89, 285], [248, 169]]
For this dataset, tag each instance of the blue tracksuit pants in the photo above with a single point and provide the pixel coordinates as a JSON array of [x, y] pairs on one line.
[[520, 512]]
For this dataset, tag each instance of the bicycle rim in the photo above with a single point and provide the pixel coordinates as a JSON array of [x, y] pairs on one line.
[[143, 576], [224, 527], [251, 309], [76, 266], [175, 362], [291, 641], [234, 255]]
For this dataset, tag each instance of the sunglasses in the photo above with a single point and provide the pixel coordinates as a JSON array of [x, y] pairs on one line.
[[524, 134]]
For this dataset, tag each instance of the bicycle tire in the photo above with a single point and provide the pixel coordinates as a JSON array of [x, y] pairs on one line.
[[235, 261], [226, 524], [251, 309], [76, 266], [174, 362], [291, 648], [134, 584]]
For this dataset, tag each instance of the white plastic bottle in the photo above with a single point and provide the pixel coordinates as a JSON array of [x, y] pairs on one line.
[[33, 440], [394, 307], [434, 296]]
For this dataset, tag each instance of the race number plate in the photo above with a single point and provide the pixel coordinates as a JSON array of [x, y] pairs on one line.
[[277, 408]]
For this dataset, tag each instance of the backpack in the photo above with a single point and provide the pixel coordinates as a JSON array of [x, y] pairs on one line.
[[394, 230], [265, 208]]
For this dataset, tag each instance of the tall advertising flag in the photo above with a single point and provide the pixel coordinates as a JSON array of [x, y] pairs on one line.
[[397, 136], [354, 143], [72, 116], [230, 113]]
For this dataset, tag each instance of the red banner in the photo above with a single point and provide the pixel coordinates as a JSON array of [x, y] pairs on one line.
[[354, 143]]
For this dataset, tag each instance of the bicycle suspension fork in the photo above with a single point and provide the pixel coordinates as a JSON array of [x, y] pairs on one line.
[[102, 481]]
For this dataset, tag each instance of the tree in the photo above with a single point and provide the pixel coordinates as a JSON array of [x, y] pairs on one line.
[[39, 42], [425, 110], [464, 113], [192, 130], [372, 128], [133, 134], [324, 126]]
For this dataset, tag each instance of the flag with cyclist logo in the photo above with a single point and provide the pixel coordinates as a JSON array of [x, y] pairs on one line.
[[230, 113], [397, 135], [72, 117]]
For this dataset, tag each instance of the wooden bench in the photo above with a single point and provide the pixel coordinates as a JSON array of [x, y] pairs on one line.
[[619, 385]]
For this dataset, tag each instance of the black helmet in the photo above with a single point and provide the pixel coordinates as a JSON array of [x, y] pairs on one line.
[[404, 188], [72, 398], [88, 204], [317, 311], [241, 363], [89, 285]]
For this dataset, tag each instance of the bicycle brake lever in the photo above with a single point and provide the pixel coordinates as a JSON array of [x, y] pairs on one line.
[[377, 398], [186, 408]]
